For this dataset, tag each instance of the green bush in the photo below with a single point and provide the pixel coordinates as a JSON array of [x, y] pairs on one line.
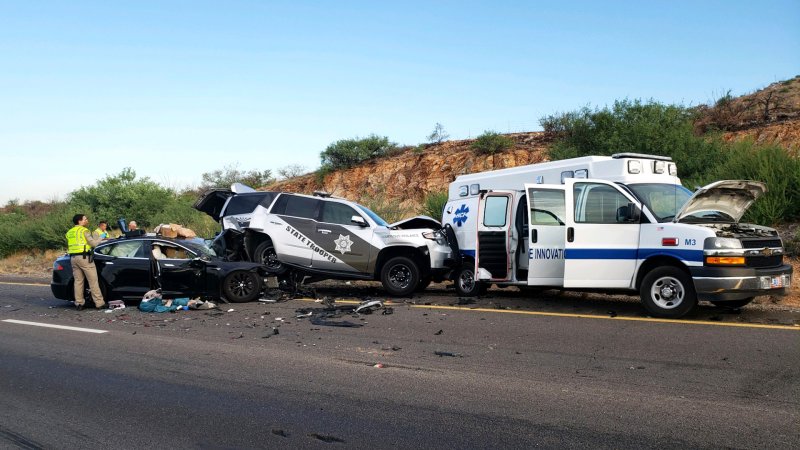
[[433, 205], [491, 142], [388, 209], [636, 127], [346, 153], [775, 166], [792, 244]]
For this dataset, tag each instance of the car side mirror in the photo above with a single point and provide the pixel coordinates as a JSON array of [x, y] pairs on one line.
[[197, 261], [634, 213], [360, 221]]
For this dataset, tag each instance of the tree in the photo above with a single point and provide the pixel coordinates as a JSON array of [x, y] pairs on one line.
[[231, 174], [346, 153], [291, 171], [491, 142], [438, 135]]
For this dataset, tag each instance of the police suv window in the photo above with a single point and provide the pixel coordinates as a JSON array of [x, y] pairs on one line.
[[338, 213], [597, 203], [547, 206], [495, 212], [302, 207], [243, 204]]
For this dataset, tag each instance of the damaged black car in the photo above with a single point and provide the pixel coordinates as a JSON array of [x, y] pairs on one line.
[[129, 267]]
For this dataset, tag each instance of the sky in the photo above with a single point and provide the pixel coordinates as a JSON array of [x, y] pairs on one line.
[[175, 89]]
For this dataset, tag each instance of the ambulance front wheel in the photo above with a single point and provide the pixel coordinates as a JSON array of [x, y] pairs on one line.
[[668, 292], [400, 276], [466, 284]]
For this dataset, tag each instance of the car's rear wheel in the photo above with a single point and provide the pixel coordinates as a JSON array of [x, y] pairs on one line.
[[265, 254], [241, 286], [400, 276]]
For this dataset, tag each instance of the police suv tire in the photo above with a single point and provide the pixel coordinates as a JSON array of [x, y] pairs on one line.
[[733, 303], [265, 254], [465, 283], [241, 286], [668, 292], [400, 276]]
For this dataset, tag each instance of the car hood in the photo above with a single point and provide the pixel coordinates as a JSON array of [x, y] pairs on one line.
[[732, 197], [417, 222]]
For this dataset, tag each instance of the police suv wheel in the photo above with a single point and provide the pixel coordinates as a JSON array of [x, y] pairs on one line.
[[241, 286], [400, 276], [668, 292], [465, 283], [265, 254]]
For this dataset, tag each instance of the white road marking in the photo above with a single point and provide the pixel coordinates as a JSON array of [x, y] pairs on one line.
[[49, 325]]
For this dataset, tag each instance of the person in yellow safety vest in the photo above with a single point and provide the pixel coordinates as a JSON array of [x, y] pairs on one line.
[[102, 230], [79, 246]]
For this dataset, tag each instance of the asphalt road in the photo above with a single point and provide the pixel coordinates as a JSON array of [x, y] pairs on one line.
[[506, 371]]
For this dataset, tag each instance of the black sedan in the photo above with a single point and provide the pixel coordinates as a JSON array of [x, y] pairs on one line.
[[129, 267]]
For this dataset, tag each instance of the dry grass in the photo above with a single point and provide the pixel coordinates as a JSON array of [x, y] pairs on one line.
[[30, 263]]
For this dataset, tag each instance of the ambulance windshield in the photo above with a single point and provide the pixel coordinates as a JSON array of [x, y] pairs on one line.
[[663, 200]]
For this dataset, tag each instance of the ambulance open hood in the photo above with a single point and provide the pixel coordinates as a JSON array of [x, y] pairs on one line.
[[417, 222], [730, 197]]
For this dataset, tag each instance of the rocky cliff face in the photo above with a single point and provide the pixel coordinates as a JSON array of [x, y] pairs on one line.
[[408, 177], [786, 134]]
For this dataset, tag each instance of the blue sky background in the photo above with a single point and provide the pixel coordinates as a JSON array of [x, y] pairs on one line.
[[176, 89]]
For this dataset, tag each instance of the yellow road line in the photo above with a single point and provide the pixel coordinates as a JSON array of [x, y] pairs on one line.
[[587, 316], [24, 284]]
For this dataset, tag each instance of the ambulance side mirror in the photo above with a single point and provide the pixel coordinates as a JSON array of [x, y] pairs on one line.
[[358, 220]]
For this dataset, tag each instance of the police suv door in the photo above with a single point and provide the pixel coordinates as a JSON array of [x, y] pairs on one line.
[[546, 234], [494, 235], [345, 246], [291, 224], [602, 239]]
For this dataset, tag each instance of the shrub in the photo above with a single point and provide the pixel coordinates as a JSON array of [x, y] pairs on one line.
[[433, 205], [438, 135], [636, 127], [231, 174], [775, 166], [388, 209], [491, 142], [349, 152]]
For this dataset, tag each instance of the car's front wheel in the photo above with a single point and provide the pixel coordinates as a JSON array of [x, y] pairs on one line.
[[668, 292], [400, 276], [241, 286], [265, 254]]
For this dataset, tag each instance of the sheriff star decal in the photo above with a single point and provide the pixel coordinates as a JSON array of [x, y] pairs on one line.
[[343, 244]]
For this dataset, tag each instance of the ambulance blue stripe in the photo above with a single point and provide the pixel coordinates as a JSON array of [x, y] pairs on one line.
[[642, 253], [468, 253]]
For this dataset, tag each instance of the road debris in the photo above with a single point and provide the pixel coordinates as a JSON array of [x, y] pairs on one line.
[[368, 306], [326, 438], [438, 333], [451, 354]]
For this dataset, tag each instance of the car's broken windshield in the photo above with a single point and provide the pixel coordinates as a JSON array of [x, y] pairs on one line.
[[663, 200]]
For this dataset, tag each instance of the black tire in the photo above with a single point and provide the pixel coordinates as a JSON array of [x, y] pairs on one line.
[[265, 254], [465, 283], [668, 292], [241, 286], [733, 303], [400, 276]]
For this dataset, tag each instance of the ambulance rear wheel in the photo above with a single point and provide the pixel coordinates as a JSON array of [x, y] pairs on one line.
[[465, 283], [400, 276], [265, 254], [668, 292]]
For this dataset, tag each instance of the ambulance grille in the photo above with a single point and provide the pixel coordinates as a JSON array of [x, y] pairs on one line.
[[492, 254], [761, 243]]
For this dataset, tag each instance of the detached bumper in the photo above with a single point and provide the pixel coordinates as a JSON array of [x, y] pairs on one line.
[[738, 283]]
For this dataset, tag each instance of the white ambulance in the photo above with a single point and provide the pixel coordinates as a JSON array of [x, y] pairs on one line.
[[613, 224]]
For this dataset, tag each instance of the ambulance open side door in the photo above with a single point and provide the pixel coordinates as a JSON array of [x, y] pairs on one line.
[[546, 234], [492, 253], [603, 224]]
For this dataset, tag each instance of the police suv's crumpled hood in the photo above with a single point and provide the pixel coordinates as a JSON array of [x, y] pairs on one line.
[[417, 222], [732, 197]]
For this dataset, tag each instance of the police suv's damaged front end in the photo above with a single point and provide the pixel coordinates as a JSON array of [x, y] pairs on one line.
[[426, 234]]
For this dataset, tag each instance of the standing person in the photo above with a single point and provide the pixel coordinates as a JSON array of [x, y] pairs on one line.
[[80, 242], [102, 229]]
